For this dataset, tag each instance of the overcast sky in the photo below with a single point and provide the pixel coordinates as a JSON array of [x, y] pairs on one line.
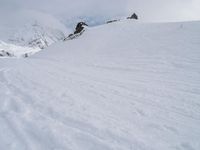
[[148, 10]]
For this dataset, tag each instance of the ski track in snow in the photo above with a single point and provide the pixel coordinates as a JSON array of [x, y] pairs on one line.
[[102, 102]]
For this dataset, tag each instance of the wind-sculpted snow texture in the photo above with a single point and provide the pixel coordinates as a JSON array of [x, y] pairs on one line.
[[121, 86]]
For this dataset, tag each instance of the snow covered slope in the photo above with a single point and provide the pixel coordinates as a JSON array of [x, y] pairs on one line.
[[121, 86], [11, 50], [30, 30]]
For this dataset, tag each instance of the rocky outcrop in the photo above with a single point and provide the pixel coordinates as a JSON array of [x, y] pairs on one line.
[[78, 31], [3, 53], [133, 16], [111, 21], [79, 27]]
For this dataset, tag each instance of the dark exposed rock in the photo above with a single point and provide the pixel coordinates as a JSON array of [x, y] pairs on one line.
[[70, 35], [111, 21], [134, 16], [25, 55], [8, 54], [80, 27], [3, 53], [78, 31]]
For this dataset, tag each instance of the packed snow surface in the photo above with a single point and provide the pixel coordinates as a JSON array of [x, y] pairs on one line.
[[121, 86]]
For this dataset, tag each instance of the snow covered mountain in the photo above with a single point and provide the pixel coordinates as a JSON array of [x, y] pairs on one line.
[[120, 86], [30, 31], [12, 50]]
